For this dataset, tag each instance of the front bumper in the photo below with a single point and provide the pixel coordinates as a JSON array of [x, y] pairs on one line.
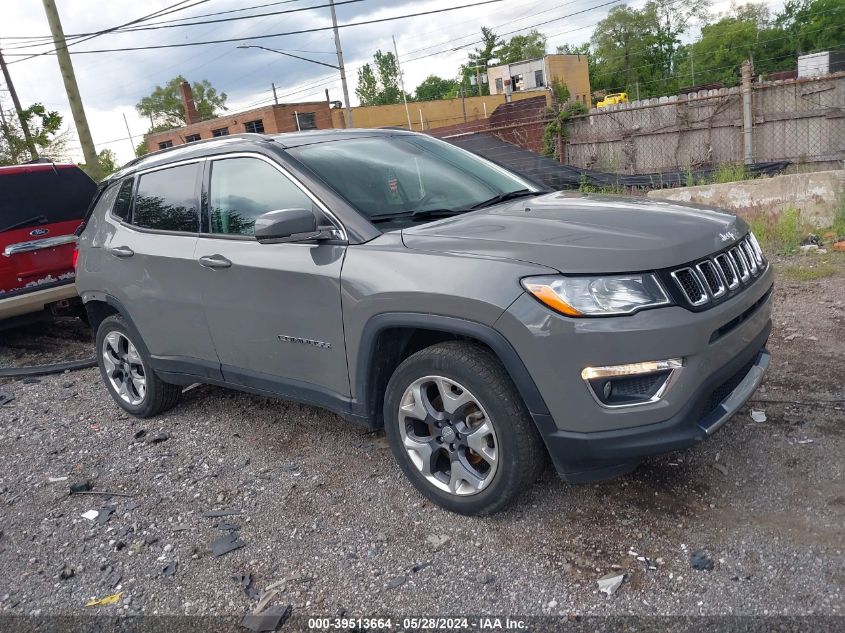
[[724, 361]]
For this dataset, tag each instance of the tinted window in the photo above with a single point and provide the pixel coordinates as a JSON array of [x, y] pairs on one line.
[[32, 193], [244, 188], [166, 200], [124, 200]]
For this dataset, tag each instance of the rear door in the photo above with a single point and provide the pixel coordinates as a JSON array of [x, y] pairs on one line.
[[149, 252], [40, 208], [273, 309]]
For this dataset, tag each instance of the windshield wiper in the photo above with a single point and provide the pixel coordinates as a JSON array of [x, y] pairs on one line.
[[38, 219], [420, 214], [504, 197]]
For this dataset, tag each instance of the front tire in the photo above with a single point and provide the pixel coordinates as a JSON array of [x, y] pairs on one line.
[[127, 374], [459, 429]]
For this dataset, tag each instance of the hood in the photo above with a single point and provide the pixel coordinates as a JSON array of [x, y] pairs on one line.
[[583, 233]]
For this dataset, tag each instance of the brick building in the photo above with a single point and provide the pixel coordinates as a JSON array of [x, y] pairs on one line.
[[272, 119]]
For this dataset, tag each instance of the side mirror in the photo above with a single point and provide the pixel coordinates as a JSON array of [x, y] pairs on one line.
[[288, 225]]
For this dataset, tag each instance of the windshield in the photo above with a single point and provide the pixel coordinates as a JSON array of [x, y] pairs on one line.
[[406, 178]]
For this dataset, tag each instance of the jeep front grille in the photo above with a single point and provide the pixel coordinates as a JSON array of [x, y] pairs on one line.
[[715, 278]]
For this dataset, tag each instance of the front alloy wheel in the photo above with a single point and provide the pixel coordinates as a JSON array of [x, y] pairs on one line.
[[459, 429], [448, 435]]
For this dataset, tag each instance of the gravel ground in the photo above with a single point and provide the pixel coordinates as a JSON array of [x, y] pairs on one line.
[[324, 509]]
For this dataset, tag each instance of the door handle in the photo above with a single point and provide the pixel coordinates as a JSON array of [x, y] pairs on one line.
[[121, 251], [214, 261]]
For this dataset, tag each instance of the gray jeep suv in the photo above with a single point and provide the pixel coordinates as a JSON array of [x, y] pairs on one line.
[[485, 322]]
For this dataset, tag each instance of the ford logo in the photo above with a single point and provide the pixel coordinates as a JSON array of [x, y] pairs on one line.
[[39, 232]]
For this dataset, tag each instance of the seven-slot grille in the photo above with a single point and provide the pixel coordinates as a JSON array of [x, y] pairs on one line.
[[714, 277]]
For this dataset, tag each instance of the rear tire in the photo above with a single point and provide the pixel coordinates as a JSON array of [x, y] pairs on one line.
[[127, 373], [459, 429]]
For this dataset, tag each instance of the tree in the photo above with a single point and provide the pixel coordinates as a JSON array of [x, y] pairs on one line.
[[813, 25], [107, 162], [479, 59], [621, 49], [43, 127], [378, 84], [164, 105], [141, 149], [521, 47], [718, 54], [434, 87]]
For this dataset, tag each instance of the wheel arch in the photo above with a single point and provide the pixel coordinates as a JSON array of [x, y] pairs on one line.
[[101, 306], [389, 338]]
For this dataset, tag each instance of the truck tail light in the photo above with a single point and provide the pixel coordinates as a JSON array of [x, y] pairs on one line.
[[75, 258]]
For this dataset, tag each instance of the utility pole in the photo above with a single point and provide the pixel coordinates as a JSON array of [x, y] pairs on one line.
[[73, 97], [4, 128], [275, 97], [341, 67], [692, 65], [131, 140], [16, 102], [402, 83]]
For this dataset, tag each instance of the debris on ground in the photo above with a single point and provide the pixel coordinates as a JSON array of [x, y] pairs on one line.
[[170, 569], [807, 441], [270, 592], [216, 514], [609, 583], [140, 433], [701, 561], [225, 544], [102, 602], [398, 581], [758, 415], [6, 397], [80, 486], [269, 620], [486, 579], [438, 542], [91, 515], [720, 468], [104, 514], [158, 438], [55, 480], [245, 581]]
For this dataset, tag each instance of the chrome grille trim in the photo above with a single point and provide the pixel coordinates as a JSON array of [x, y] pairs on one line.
[[749, 254], [704, 298], [741, 264], [717, 288], [726, 265]]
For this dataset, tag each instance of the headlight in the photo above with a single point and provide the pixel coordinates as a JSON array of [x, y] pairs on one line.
[[598, 296]]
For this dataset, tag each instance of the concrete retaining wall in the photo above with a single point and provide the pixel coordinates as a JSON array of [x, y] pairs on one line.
[[815, 195]]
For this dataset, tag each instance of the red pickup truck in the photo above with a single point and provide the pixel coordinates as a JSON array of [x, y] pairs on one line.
[[41, 205]]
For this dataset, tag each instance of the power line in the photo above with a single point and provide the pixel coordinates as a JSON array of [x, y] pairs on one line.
[[242, 39]]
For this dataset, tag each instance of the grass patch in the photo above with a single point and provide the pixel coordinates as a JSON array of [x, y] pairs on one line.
[[781, 233], [730, 172], [807, 273]]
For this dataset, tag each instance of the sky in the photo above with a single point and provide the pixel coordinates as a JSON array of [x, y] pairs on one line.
[[112, 83]]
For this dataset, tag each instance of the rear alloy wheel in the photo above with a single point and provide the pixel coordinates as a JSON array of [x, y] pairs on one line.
[[125, 367], [459, 429], [448, 436]]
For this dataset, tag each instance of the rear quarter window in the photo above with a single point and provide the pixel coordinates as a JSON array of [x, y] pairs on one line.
[[167, 200], [124, 199]]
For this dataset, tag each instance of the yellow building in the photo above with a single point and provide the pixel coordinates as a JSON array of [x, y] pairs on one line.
[[426, 115], [539, 74]]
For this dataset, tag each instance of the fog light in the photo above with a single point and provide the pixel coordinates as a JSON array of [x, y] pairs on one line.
[[631, 384]]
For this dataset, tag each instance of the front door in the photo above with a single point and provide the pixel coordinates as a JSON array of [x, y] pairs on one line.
[[273, 309]]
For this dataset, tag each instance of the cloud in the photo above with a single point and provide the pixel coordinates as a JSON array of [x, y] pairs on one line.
[[111, 83]]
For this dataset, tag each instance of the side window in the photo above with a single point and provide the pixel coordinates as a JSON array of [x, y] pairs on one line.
[[244, 188], [124, 200], [166, 199], [105, 202]]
